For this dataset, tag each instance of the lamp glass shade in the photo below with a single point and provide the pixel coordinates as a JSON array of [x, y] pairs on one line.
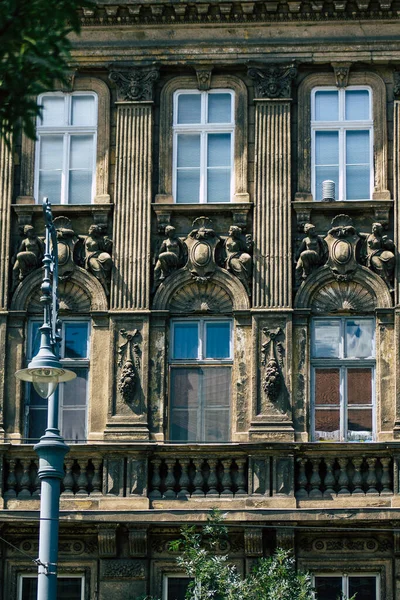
[[45, 379], [44, 388]]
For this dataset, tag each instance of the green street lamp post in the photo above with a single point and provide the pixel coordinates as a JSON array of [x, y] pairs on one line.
[[45, 372]]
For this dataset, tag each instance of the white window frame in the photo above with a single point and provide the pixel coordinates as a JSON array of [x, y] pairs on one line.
[[202, 129], [22, 576], [200, 360], [345, 580], [165, 582], [67, 131], [342, 126], [69, 363], [343, 364]]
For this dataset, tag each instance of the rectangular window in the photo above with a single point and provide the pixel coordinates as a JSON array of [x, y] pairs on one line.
[[334, 587], [175, 587], [200, 380], [74, 354], [68, 587], [66, 148], [342, 142], [203, 146], [343, 366]]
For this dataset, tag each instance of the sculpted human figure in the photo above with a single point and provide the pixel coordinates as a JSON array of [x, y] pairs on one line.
[[98, 259], [380, 254], [29, 255], [238, 260], [170, 256], [310, 254]]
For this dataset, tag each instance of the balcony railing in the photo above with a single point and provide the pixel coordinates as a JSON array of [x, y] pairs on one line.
[[163, 473]]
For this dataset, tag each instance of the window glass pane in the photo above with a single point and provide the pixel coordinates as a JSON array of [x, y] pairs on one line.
[[188, 151], [359, 386], [53, 111], [189, 108], [327, 424], [326, 339], [218, 185], [177, 587], [358, 183], [218, 340], [327, 386], [188, 186], [219, 150], [357, 105], [50, 186], [185, 341], [83, 110], [76, 338], [363, 586], [74, 425], [74, 391], [51, 152], [216, 394], [35, 338], [81, 152], [359, 338], [184, 404], [327, 147], [357, 147], [219, 108], [80, 187], [68, 588], [37, 422], [327, 106], [359, 425], [328, 588]]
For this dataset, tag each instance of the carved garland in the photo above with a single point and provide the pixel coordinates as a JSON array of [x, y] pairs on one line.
[[273, 352], [129, 369]]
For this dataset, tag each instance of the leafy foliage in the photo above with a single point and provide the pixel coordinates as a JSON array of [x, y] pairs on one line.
[[34, 52]]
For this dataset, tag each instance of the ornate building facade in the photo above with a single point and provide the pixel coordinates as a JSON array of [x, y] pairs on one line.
[[224, 179]]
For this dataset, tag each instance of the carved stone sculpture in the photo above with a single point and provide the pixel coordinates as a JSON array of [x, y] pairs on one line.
[[238, 260], [135, 85], [272, 358], [129, 367], [170, 256], [310, 255], [342, 242], [29, 255], [67, 245], [201, 244], [380, 254], [274, 81], [98, 259]]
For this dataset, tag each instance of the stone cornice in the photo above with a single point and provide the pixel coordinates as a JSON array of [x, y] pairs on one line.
[[246, 11]]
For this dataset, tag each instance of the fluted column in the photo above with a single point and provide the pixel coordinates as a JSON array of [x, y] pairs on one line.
[[6, 175], [272, 278], [130, 288], [396, 196]]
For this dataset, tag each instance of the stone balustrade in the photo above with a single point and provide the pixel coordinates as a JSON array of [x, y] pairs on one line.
[[299, 473]]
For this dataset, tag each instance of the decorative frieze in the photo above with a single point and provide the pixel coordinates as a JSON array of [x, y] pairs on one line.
[[122, 569]]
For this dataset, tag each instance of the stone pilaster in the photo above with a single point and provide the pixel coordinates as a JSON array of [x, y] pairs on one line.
[[272, 276], [130, 288], [6, 175], [396, 196]]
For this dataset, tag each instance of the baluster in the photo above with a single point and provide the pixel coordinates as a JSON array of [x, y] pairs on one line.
[[68, 478], [212, 478], [184, 481], [96, 480], [25, 480], [82, 481], [11, 482], [329, 479], [371, 476], [156, 479], [198, 480], [315, 479], [35, 481], [226, 478], [302, 479], [386, 479], [170, 479], [343, 479], [240, 477], [357, 477]]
